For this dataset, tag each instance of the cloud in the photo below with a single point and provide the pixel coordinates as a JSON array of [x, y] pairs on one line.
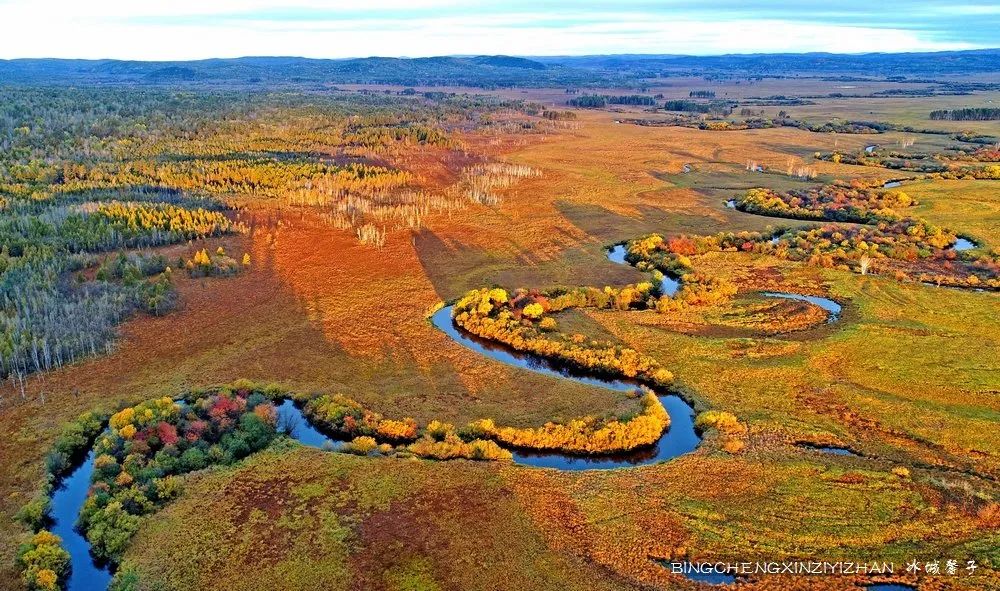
[[190, 29]]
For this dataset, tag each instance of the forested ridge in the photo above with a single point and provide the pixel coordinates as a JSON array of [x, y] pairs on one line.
[[600, 71]]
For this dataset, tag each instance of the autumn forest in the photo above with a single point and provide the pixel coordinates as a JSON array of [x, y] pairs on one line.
[[496, 323]]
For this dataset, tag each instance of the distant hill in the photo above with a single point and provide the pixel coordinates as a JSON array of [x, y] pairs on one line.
[[479, 71], [506, 61], [490, 71], [869, 64]]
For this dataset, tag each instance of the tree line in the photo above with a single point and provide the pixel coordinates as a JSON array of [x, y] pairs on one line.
[[969, 114], [597, 101]]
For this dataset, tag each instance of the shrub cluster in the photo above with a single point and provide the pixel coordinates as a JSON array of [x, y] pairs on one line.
[[912, 247], [156, 295], [751, 122], [491, 314], [452, 446], [836, 202], [217, 264], [671, 256], [73, 442], [44, 563], [946, 165], [147, 446], [731, 431], [917, 249], [346, 418], [588, 435]]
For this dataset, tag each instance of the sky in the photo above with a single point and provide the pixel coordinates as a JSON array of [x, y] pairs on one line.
[[198, 29]]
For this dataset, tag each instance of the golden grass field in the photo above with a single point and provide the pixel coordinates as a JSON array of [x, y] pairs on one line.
[[908, 378]]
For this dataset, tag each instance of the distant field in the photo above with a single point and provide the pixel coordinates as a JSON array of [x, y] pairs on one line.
[[913, 112]]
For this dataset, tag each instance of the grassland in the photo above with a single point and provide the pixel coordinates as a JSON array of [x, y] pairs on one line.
[[908, 378], [913, 113], [310, 518], [314, 519], [971, 207]]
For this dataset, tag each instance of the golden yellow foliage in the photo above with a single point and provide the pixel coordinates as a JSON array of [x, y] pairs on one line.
[[46, 580], [731, 430], [479, 313], [588, 435], [362, 445], [122, 418], [452, 447], [391, 429], [533, 311]]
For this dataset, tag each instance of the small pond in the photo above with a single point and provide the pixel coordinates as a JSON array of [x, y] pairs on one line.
[[963, 244], [830, 449], [827, 304]]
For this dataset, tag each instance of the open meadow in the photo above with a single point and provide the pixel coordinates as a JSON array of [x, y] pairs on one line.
[[186, 262]]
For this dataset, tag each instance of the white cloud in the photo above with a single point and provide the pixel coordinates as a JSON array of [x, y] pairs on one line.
[[130, 30]]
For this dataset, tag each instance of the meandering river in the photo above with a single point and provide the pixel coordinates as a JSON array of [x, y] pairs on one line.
[[680, 437], [67, 501], [670, 285]]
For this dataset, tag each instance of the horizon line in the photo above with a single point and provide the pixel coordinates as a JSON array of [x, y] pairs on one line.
[[523, 56]]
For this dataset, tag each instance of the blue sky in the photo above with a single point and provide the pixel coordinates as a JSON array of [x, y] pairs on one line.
[[193, 29]]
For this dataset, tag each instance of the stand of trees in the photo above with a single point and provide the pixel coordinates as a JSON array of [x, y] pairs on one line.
[[52, 314], [596, 101], [85, 172], [491, 314], [970, 114], [348, 154], [146, 448], [719, 107]]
